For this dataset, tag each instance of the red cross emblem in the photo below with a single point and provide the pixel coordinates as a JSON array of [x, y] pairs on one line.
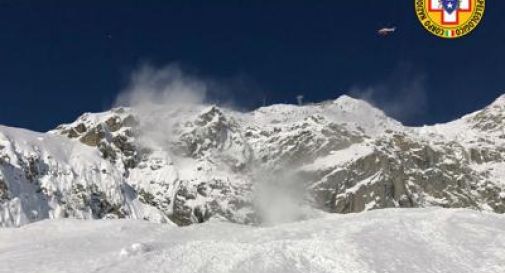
[[447, 17]]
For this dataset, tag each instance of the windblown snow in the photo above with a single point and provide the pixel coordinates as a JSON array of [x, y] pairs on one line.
[[391, 240]]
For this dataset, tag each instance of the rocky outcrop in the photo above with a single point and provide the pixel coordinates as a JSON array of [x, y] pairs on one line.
[[112, 135], [405, 172], [4, 194]]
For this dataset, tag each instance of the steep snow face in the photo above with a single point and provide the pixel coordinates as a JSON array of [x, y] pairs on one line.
[[490, 119], [47, 176], [396, 241], [201, 162], [486, 125]]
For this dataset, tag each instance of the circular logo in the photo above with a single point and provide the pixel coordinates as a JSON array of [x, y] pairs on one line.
[[450, 18]]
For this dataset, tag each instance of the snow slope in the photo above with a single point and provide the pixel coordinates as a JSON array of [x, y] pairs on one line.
[[391, 240]]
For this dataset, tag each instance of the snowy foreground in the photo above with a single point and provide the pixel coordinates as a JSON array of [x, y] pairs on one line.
[[415, 240]]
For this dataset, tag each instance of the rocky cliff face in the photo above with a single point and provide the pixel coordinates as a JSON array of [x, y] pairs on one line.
[[192, 164]]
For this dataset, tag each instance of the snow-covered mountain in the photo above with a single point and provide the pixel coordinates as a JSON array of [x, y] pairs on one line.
[[277, 163], [390, 240]]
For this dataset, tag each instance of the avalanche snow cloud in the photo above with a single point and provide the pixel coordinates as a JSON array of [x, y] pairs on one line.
[[154, 93], [402, 95], [394, 241]]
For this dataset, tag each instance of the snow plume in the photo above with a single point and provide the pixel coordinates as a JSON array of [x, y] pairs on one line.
[[157, 96], [167, 86], [281, 197], [401, 96]]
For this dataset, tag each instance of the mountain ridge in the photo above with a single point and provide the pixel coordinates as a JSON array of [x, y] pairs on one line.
[[196, 162]]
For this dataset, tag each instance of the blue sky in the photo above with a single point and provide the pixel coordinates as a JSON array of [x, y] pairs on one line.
[[59, 59]]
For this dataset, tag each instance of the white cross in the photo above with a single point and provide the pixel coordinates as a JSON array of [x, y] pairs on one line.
[[450, 18]]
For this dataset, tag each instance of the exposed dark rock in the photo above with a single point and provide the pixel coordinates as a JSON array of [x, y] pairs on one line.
[[81, 128], [93, 137], [114, 124], [4, 191]]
